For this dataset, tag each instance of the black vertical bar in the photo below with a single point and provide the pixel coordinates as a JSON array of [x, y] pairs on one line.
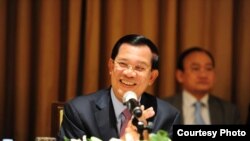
[[103, 41], [10, 68], [80, 72], [235, 59], [161, 27], [63, 54], [178, 37], [34, 59]]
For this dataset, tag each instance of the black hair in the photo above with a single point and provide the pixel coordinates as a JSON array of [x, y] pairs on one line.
[[136, 40], [185, 53]]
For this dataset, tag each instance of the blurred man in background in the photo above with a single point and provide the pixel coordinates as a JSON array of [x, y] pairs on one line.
[[196, 74]]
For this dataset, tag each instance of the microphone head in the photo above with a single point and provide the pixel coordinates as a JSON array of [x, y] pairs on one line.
[[129, 95], [130, 99]]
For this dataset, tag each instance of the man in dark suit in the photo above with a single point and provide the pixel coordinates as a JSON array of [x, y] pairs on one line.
[[196, 73], [133, 66]]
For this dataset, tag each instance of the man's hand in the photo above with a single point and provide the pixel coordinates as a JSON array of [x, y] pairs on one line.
[[131, 133]]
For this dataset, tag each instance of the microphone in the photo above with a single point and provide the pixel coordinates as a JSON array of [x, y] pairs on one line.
[[130, 100]]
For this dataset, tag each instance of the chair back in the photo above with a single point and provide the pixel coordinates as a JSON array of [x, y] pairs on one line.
[[56, 117]]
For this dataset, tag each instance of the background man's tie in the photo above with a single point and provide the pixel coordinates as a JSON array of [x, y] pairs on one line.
[[197, 112], [126, 113]]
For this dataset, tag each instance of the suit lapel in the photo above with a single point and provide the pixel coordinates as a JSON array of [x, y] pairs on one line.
[[215, 110], [105, 117]]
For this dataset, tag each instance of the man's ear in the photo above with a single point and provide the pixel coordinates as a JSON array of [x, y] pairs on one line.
[[111, 65], [179, 76], [154, 75]]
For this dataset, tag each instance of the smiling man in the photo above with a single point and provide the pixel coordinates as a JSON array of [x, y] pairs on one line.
[[196, 74], [133, 66]]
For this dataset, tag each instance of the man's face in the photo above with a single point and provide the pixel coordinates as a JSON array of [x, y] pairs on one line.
[[131, 70], [198, 76]]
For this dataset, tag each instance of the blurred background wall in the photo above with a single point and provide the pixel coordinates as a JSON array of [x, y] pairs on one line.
[[54, 50]]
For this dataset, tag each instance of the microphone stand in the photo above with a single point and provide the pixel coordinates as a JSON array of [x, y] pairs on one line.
[[143, 129]]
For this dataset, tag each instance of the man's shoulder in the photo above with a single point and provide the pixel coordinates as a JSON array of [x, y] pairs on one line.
[[174, 98], [166, 105], [219, 101], [157, 102], [86, 98]]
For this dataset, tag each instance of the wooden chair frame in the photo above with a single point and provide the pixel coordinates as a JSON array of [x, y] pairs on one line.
[[56, 117]]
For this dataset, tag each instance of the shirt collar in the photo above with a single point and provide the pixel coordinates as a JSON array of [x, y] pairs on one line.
[[118, 106], [189, 99]]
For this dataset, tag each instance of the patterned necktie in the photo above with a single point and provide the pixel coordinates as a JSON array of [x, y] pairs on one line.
[[198, 118], [126, 113]]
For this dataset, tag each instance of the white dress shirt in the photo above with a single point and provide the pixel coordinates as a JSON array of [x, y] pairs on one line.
[[189, 108], [118, 107]]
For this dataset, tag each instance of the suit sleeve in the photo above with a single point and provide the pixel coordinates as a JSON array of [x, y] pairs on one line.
[[70, 127]]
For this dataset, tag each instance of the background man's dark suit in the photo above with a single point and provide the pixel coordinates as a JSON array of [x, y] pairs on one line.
[[94, 115], [221, 112]]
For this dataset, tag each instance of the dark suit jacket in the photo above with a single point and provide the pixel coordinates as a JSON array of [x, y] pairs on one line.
[[221, 112], [93, 115]]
